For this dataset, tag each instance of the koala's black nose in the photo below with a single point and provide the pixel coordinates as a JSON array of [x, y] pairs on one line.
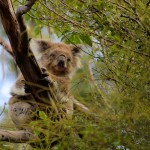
[[61, 61]]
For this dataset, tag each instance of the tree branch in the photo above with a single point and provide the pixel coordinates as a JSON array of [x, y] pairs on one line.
[[17, 136], [24, 9], [6, 46], [80, 107], [24, 35]]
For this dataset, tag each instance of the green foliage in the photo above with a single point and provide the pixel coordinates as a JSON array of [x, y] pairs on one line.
[[115, 81]]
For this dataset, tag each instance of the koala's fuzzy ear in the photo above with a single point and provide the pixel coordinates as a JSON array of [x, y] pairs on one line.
[[40, 45], [76, 50]]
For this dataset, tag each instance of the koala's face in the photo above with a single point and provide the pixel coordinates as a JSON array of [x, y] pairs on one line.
[[59, 62], [61, 59]]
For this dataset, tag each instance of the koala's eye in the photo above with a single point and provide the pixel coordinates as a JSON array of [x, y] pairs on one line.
[[52, 55], [68, 59]]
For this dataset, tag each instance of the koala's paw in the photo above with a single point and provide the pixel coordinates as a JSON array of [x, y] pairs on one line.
[[44, 73], [45, 80]]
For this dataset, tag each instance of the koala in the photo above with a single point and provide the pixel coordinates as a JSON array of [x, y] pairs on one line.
[[60, 62]]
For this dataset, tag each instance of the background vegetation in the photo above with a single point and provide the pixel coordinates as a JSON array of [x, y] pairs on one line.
[[114, 81]]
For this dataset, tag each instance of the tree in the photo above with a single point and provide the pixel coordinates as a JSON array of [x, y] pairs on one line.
[[116, 34]]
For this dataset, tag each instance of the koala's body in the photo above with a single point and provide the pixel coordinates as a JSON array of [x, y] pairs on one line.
[[60, 60]]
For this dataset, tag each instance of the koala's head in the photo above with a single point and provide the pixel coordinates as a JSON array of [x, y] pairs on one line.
[[60, 59]]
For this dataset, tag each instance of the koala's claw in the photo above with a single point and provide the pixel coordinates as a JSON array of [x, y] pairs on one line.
[[45, 81], [43, 69], [44, 73]]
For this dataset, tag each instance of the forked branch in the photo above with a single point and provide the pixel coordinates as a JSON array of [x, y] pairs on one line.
[[18, 37]]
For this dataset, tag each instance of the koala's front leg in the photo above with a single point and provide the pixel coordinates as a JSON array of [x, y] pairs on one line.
[[44, 72], [44, 79], [20, 87]]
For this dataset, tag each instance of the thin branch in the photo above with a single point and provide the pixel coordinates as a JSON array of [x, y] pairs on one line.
[[126, 1], [80, 107], [131, 18], [40, 18], [25, 8], [70, 8], [3, 109], [119, 6], [6, 46]]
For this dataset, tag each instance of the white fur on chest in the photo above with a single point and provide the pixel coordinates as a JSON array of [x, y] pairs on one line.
[[18, 90]]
